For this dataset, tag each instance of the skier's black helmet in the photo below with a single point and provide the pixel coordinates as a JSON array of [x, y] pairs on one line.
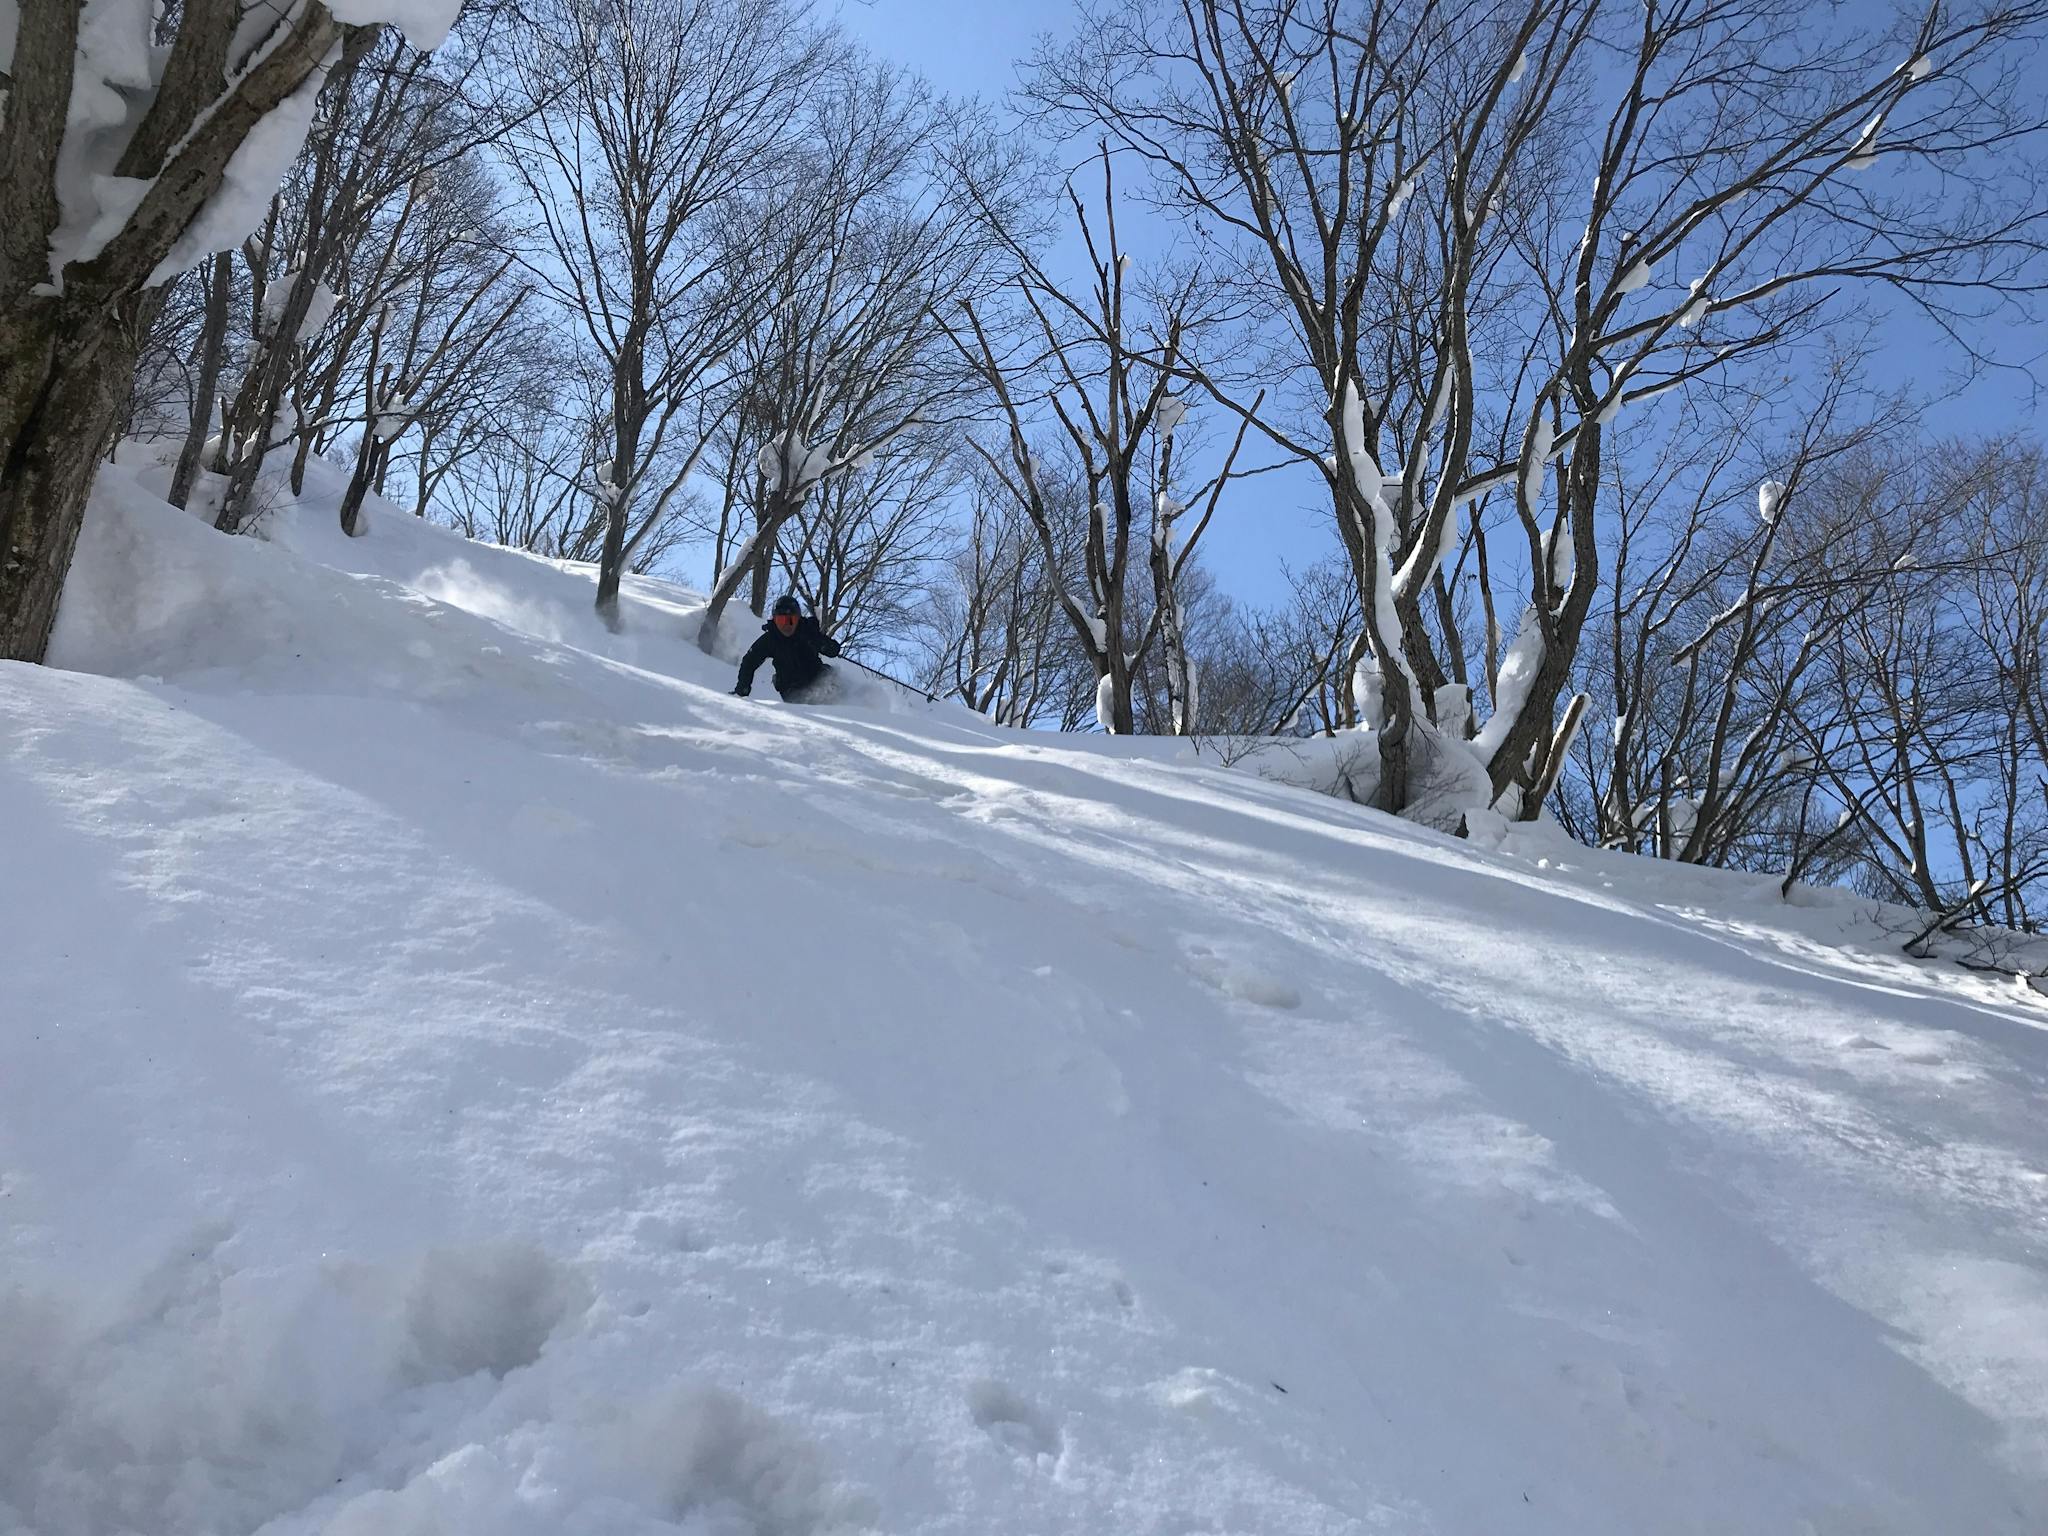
[[788, 605]]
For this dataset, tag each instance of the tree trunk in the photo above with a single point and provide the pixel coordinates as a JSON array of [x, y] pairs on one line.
[[613, 558], [371, 454], [1172, 638], [279, 351], [64, 372], [305, 451], [212, 343], [1533, 726], [1122, 721], [1397, 696], [764, 556], [726, 586]]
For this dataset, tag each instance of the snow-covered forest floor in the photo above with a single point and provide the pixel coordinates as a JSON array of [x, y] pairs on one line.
[[461, 1072]]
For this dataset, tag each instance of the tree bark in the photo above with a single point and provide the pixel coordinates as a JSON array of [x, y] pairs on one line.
[[63, 375]]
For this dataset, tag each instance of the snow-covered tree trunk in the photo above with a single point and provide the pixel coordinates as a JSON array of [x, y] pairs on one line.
[[97, 215], [63, 371], [1172, 632], [1166, 562]]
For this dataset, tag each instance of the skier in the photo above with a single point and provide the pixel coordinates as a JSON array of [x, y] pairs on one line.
[[797, 647]]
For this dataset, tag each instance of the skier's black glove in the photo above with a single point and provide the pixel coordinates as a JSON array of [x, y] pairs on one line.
[[741, 690]]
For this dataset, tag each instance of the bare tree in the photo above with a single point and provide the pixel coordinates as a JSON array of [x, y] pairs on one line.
[[219, 288], [1945, 781], [994, 637], [1821, 655], [1288, 669], [1104, 358], [524, 486], [169, 354], [863, 238], [645, 120], [1484, 229], [386, 120], [1736, 566], [2005, 609]]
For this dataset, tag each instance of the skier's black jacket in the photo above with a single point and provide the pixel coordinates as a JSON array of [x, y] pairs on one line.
[[798, 658]]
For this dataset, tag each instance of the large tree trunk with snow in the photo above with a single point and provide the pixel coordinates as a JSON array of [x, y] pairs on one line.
[[64, 365], [63, 375]]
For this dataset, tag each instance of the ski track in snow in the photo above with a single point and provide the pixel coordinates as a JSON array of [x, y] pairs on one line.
[[467, 1074]]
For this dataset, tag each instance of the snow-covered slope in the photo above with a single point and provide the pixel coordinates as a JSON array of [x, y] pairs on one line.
[[462, 1072]]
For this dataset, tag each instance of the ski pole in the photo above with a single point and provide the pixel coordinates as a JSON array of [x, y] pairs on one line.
[[885, 677]]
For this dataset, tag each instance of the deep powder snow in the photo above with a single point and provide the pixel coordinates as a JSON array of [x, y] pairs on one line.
[[462, 1073]]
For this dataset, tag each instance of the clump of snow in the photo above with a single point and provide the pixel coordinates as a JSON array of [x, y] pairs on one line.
[[1769, 495], [1542, 439], [791, 463], [1919, 67], [1105, 703], [1790, 759], [1562, 557], [1368, 690], [1518, 672], [1172, 411], [218, 1395], [1453, 709], [1696, 307], [1448, 782], [425, 23], [706, 1457], [1636, 276], [1402, 193], [113, 62], [1617, 395], [1520, 68], [253, 175], [277, 298], [1864, 155]]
